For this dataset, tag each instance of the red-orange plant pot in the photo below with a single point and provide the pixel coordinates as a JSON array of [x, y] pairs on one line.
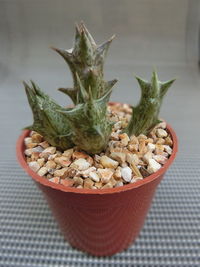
[[101, 221]]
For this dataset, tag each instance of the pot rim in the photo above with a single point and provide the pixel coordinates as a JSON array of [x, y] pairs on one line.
[[45, 182]]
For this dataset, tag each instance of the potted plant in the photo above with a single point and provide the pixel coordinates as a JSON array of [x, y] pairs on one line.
[[98, 163]]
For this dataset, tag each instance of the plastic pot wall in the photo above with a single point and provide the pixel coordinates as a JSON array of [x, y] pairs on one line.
[[102, 221]]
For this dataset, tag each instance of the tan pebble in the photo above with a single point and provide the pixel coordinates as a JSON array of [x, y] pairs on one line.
[[168, 141], [159, 149], [27, 140], [50, 164], [168, 149], [28, 152], [97, 158], [113, 181], [67, 182], [142, 146], [63, 161], [114, 136], [90, 160], [52, 157], [60, 172], [32, 133], [160, 141], [118, 184], [78, 181], [162, 125], [88, 183], [105, 175], [117, 125], [124, 139], [31, 145], [44, 144], [68, 153], [86, 173], [28, 159], [50, 150], [97, 165], [79, 155], [42, 171], [132, 158], [41, 162], [161, 133], [153, 166], [55, 180], [108, 162], [149, 140], [133, 140], [141, 136], [69, 173], [119, 156], [147, 156], [34, 166], [49, 176], [124, 164], [51, 171], [80, 164], [98, 185], [135, 179], [117, 174], [94, 176], [133, 147], [160, 159], [37, 138], [79, 186], [124, 123], [108, 185], [135, 169], [35, 155]]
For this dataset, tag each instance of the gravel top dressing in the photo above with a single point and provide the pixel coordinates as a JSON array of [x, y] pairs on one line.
[[125, 160]]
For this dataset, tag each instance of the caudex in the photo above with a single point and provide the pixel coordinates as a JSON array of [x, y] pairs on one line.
[[86, 124]]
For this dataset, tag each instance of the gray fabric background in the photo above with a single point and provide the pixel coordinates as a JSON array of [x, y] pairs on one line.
[[161, 34]]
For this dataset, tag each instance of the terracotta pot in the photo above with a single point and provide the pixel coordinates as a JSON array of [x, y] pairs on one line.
[[101, 221]]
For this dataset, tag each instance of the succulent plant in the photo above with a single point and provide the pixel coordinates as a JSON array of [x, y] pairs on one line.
[[86, 124], [145, 114], [48, 121]]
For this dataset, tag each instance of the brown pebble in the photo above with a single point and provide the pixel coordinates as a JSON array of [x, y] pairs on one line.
[[88, 183], [55, 180], [144, 172], [67, 182], [37, 138]]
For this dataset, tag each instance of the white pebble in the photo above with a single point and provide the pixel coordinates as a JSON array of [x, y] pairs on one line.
[[151, 147], [94, 176], [34, 166], [28, 151], [50, 150], [108, 162], [161, 133], [27, 140], [126, 174], [153, 166], [42, 171], [118, 184], [168, 149], [38, 149], [81, 164]]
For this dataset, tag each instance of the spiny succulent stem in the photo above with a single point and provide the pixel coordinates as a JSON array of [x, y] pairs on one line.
[[145, 114]]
